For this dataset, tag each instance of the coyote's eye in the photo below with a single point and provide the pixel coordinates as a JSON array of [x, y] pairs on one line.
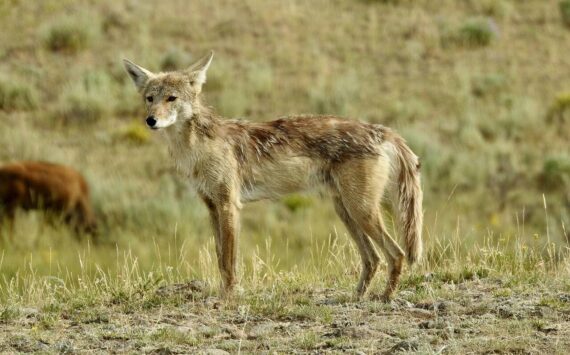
[[149, 98], [171, 98]]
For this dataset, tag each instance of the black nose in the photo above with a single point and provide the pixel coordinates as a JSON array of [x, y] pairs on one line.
[[150, 121]]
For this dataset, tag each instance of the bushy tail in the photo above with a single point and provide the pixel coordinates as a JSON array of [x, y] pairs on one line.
[[410, 196]]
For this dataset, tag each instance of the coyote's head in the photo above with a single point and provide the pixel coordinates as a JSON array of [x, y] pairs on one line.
[[170, 96]]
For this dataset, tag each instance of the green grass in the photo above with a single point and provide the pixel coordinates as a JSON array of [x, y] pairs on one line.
[[478, 88], [70, 34], [17, 95], [565, 12]]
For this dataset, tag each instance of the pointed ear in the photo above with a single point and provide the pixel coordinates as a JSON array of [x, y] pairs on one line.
[[198, 69], [139, 74]]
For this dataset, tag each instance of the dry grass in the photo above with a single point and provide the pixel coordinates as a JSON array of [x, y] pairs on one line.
[[478, 88]]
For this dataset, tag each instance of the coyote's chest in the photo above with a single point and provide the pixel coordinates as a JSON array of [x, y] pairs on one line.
[[183, 152], [207, 164]]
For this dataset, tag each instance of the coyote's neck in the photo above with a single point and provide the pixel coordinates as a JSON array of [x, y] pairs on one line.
[[185, 137], [203, 119]]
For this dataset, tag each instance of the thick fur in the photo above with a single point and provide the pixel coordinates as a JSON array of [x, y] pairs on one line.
[[231, 162], [54, 188]]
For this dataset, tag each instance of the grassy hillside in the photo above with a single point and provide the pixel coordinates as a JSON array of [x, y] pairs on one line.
[[479, 88]]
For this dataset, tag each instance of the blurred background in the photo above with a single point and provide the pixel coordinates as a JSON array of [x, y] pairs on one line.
[[479, 88]]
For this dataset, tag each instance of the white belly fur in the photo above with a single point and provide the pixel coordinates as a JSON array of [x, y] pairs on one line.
[[272, 179]]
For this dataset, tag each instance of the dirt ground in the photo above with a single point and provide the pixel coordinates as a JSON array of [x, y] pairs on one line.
[[476, 316]]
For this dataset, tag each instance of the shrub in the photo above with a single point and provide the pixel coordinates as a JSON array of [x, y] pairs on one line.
[[296, 202], [488, 85], [136, 133], [475, 32], [560, 108], [16, 95], [495, 8], [260, 77], [233, 103], [70, 36], [88, 100], [336, 96], [564, 7], [555, 173], [175, 59]]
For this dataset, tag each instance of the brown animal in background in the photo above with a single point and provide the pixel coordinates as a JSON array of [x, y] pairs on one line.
[[232, 162], [46, 186]]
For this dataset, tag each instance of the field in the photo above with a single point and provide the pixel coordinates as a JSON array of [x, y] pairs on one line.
[[480, 89]]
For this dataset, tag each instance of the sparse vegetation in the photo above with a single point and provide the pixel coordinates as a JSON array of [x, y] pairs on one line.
[[560, 109], [175, 59], [476, 87], [564, 6], [477, 32], [297, 202], [556, 173], [136, 133], [473, 33], [88, 99], [70, 34], [16, 95]]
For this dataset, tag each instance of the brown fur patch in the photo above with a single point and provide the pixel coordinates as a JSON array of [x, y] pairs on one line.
[[325, 137], [39, 185]]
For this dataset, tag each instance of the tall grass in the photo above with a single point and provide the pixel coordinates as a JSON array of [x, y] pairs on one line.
[[328, 262]]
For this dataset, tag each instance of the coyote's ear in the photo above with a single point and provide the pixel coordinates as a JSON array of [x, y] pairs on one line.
[[198, 70], [139, 74]]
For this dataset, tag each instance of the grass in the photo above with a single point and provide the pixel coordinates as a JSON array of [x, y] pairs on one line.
[[511, 285], [71, 34], [478, 88], [565, 12], [16, 95], [472, 33]]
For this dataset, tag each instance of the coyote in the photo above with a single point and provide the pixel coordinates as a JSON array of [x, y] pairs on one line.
[[51, 187], [231, 162]]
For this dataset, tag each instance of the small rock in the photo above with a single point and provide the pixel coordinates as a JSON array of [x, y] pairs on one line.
[[564, 297]]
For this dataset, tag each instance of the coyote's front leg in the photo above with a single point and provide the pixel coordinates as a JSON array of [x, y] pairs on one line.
[[228, 224], [215, 223]]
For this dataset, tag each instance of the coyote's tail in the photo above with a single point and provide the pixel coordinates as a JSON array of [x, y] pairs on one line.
[[409, 199]]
